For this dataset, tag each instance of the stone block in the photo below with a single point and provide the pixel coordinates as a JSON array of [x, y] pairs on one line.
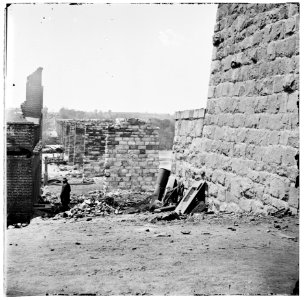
[[293, 139], [276, 186], [289, 156], [290, 84], [278, 84], [273, 154], [283, 98], [245, 205], [293, 199], [290, 26], [275, 202], [239, 150], [287, 47], [273, 137], [275, 121], [277, 31], [271, 51], [293, 9], [239, 120], [293, 102], [233, 208]]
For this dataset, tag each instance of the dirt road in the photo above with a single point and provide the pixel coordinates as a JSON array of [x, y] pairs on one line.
[[128, 255]]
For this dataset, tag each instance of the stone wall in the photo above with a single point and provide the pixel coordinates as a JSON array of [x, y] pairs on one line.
[[132, 155], [248, 142], [126, 152], [84, 143]]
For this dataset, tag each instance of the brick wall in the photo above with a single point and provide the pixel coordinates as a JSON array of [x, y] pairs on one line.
[[32, 107], [22, 134], [249, 142], [23, 169], [19, 188]]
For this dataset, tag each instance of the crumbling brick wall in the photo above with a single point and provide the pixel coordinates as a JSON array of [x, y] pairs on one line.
[[126, 152], [249, 143], [23, 175]]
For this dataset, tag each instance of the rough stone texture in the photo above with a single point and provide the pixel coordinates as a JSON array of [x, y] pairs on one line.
[[248, 141], [126, 152]]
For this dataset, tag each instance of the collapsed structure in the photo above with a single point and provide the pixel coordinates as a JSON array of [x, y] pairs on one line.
[[126, 152], [24, 154], [246, 143]]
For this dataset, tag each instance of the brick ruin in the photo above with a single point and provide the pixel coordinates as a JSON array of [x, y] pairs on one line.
[[246, 143], [125, 152], [23, 160]]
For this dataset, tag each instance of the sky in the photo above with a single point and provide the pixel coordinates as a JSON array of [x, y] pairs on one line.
[[119, 57]]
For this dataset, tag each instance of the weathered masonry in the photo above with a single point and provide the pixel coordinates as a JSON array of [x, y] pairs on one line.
[[23, 160], [246, 143], [23, 170], [126, 152]]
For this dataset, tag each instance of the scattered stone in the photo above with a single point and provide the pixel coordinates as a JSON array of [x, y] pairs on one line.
[[231, 228], [77, 243], [277, 226], [147, 229], [134, 248], [162, 235], [52, 249], [89, 219], [185, 231]]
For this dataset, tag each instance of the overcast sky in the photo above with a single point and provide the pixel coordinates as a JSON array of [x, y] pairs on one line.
[[119, 57]]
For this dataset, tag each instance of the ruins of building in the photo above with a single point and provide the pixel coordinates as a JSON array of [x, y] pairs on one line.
[[246, 142], [125, 152], [23, 160]]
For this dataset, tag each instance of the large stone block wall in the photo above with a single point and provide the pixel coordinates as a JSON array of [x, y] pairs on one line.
[[248, 146], [132, 155], [126, 152]]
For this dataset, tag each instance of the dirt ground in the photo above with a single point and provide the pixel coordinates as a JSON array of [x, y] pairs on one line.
[[129, 255]]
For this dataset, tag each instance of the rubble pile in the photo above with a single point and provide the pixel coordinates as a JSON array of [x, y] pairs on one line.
[[100, 203]]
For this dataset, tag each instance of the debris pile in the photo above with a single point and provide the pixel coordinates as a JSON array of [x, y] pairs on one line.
[[99, 203]]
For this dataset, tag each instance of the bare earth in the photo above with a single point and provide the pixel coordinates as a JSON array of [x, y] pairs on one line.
[[128, 255]]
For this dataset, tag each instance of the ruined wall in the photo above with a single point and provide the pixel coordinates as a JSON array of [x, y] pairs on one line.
[[23, 170], [188, 144], [84, 143], [22, 134], [126, 152], [132, 155], [249, 143]]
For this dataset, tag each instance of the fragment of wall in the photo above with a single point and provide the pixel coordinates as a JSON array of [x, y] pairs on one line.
[[23, 175], [128, 152], [132, 155], [250, 135]]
